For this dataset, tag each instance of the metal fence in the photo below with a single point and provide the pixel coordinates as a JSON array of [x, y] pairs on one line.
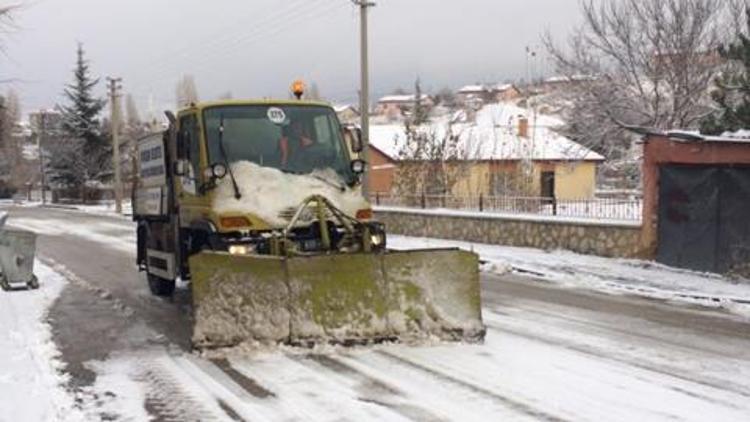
[[599, 208]]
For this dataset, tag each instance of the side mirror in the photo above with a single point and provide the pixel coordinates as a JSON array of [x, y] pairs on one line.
[[354, 135], [216, 171], [180, 168], [358, 166]]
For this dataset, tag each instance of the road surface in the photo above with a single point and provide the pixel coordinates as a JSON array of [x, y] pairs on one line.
[[550, 354]]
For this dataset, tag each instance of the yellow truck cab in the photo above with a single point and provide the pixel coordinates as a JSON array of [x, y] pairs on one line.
[[184, 170]]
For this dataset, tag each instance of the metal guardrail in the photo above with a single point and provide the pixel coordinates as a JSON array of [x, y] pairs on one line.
[[599, 208]]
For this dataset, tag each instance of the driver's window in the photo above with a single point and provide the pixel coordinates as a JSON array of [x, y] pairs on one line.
[[188, 147], [323, 130]]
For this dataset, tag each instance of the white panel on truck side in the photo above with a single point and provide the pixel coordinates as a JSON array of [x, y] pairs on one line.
[[150, 198]]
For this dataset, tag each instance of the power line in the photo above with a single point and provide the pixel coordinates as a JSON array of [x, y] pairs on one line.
[[261, 31], [212, 40]]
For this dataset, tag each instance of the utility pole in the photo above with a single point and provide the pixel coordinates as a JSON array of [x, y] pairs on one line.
[[364, 98], [114, 97], [39, 145]]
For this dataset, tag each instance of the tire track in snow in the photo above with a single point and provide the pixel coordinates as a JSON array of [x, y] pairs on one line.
[[375, 391], [166, 397], [722, 385], [604, 328], [513, 404], [599, 331], [306, 391]]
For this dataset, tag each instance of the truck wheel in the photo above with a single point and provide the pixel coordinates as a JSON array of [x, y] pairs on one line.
[[33, 283], [160, 286]]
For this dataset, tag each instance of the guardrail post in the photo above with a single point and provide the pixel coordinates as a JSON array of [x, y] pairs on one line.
[[481, 202], [423, 200]]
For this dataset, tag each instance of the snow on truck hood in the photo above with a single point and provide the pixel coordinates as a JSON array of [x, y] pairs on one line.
[[268, 193]]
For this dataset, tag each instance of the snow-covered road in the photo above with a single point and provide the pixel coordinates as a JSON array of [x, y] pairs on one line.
[[552, 352]]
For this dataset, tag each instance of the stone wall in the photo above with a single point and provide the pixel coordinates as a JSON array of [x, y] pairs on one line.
[[586, 237]]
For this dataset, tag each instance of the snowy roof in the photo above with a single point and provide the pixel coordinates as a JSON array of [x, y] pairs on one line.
[[494, 137], [338, 108], [502, 87], [740, 136], [409, 98], [574, 78], [469, 89]]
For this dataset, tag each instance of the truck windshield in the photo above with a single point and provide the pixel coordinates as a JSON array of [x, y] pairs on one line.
[[293, 138]]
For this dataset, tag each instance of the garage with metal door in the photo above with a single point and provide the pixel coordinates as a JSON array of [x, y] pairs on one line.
[[704, 217], [697, 201]]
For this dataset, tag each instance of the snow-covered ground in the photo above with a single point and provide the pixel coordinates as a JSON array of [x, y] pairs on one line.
[[541, 360], [617, 276], [31, 378]]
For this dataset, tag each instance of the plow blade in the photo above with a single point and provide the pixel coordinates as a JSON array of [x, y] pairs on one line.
[[346, 298]]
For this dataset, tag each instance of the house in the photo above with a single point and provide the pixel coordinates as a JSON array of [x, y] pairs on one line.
[[505, 92], [394, 107], [505, 152], [382, 170], [49, 120], [475, 96], [347, 113]]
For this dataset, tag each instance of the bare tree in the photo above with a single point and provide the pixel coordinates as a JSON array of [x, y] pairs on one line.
[[642, 63], [432, 160], [314, 93], [186, 91], [133, 117], [6, 18]]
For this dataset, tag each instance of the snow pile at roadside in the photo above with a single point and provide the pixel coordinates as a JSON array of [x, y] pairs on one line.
[[267, 192], [609, 275], [31, 382]]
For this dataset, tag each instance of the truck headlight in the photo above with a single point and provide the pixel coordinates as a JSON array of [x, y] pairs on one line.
[[377, 239], [241, 249]]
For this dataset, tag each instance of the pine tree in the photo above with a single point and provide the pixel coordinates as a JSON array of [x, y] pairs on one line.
[[420, 112], [81, 116], [83, 153], [732, 89]]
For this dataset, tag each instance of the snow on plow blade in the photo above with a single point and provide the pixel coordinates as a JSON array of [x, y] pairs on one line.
[[341, 298]]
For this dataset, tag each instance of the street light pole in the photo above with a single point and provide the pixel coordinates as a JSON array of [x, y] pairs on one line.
[[39, 146], [364, 104], [114, 94]]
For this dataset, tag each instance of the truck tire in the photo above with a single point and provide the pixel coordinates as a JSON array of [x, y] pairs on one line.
[[160, 286]]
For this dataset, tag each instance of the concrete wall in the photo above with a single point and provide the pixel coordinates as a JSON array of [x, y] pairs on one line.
[[574, 235]]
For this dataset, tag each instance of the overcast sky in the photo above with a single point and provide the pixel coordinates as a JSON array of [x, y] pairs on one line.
[[255, 48]]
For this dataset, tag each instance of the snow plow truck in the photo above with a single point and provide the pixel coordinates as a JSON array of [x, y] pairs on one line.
[[259, 205]]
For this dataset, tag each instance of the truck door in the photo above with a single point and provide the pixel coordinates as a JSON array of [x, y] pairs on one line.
[[189, 153]]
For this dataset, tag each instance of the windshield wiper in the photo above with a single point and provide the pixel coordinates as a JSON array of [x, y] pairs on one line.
[[342, 188], [237, 194]]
